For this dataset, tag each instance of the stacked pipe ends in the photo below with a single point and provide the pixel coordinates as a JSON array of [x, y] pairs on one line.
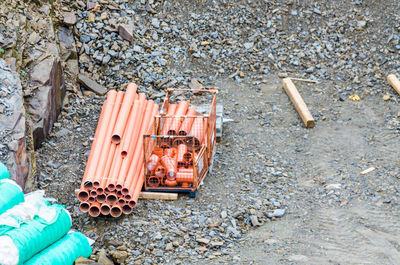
[[113, 176]]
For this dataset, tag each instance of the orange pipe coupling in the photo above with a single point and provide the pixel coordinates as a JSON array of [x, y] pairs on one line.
[[160, 171], [152, 162], [171, 152], [153, 181], [182, 150], [170, 165]]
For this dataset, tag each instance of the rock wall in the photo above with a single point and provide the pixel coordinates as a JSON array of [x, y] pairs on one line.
[[32, 80], [12, 126]]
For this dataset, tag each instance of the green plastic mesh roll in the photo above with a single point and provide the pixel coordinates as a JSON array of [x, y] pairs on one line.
[[4, 174], [63, 252], [37, 234], [10, 195]]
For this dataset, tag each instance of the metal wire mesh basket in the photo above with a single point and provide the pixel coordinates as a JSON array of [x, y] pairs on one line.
[[179, 148]]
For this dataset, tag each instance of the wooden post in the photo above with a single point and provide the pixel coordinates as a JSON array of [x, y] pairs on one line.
[[298, 102], [158, 196], [394, 82]]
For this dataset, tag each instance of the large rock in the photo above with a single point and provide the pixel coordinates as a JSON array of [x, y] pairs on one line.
[[12, 126], [45, 105]]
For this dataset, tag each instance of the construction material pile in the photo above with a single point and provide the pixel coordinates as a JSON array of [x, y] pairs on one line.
[[32, 231], [114, 173], [180, 150]]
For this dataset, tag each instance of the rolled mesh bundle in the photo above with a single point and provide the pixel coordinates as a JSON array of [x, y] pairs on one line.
[[63, 252], [4, 174], [33, 236], [10, 194]]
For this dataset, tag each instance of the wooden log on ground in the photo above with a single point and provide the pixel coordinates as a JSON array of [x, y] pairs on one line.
[[298, 102], [158, 196], [394, 82]]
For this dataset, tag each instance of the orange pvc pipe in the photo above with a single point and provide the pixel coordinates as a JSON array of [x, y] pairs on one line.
[[105, 209], [184, 177], [181, 110], [187, 122], [91, 199], [96, 135], [111, 96], [133, 126], [102, 170], [134, 183], [137, 140], [84, 207], [114, 173], [182, 150], [186, 170], [94, 209], [167, 121], [142, 96], [123, 115], [83, 195], [138, 187], [111, 198], [135, 145], [137, 160], [101, 198], [109, 164], [197, 132], [121, 202], [133, 171], [116, 211], [126, 209]]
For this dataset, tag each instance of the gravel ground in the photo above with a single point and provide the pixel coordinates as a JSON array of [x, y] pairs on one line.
[[279, 193]]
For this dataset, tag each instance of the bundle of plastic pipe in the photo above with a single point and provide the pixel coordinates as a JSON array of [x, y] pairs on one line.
[[172, 165], [114, 174], [64, 251], [10, 194], [4, 174], [33, 226]]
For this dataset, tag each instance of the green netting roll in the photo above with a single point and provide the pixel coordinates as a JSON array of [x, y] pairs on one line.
[[37, 234], [63, 252], [4, 174], [10, 195]]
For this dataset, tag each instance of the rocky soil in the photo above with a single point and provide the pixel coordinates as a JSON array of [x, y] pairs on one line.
[[279, 193]]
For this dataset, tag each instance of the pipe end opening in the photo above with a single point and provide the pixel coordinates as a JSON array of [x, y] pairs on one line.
[[116, 139]]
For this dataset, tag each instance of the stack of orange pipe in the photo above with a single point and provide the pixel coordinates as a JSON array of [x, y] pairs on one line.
[[114, 173]]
